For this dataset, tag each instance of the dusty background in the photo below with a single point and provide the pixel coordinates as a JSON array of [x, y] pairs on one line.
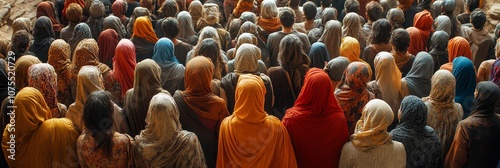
[[12, 9]]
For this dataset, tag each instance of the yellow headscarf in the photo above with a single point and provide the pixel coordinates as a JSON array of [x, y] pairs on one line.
[[350, 48]]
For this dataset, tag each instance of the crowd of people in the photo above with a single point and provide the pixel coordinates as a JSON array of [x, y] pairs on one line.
[[251, 83]]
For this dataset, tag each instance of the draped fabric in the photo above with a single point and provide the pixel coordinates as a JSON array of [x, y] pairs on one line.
[[22, 24], [423, 22], [463, 71], [237, 134], [335, 69], [194, 9], [242, 6], [143, 38], [163, 143], [476, 141], [443, 113], [44, 78], [201, 111], [316, 109], [59, 52], [439, 44], [331, 37], [123, 153], [95, 21], [136, 100], [351, 26], [124, 65], [422, 145], [371, 129], [108, 39], [119, 9], [21, 70], [51, 141], [443, 23], [419, 77], [186, 33], [349, 48], [172, 72], [457, 46], [113, 22], [47, 9], [68, 2], [416, 41], [495, 72], [319, 55], [352, 94], [82, 31], [43, 36]]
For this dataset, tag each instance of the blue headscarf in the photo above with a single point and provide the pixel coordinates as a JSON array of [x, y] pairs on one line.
[[164, 52], [319, 55], [465, 75]]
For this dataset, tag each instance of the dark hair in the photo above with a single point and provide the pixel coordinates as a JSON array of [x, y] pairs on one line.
[[169, 8], [381, 32], [294, 3], [310, 10], [326, 3], [472, 4], [170, 27], [98, 119], [20, 41], [351, 6], [400, 40], [287, 17], [478, 18], [374, 10], [210, 48]]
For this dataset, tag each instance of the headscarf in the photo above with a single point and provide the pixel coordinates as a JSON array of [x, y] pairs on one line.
[[198, 94], [396, 17], [425, 5], [163, 143], [423, 22], [67, 2], [4, 86], [464, 73], [352, 94], [246, 60], [89, 80], [443, 22], [421, 143], [59, 52], [291, 58], [457, 46], [268, 19], [350, 49], [95, 21], [22, 24], [352, 27], [442, 91], [448, 6], [371, 129], [487, 97], [124, 65], [439, 43], [194, 9], [119, 9], [186, 33], [82, 31], [172, 71], [335, 69], [47, 9], [419, 77], [248, 121], [318, 55], [87, 53], [327, 15], [405, 4], [316, 109], [113, 22], [107, 44], [242, 6], [416, 43], [144, 29], [388, 78], [21, 70], [209, 14], [138, 12], [43, 37], [164, 52], [332, 37], [44, 78], [497, 32], [495, 72]]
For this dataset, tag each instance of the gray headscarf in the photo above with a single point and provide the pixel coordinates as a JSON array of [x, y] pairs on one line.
[[396, 17], [437, 8], [95, 21], [439, 42], [497, 31], [336, 68], [248, 16], [113, 22], [442, 22], [419, 77], [186, 31], [82, 31]]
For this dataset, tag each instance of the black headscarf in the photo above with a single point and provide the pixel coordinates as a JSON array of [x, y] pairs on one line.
[[43, 36], [422, 145], [487, 96]]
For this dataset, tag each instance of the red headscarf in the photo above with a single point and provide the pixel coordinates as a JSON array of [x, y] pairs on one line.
[[67, 2], [423, 21], [47, 9], [119, 9], [124, 64], [107, 41], [316, 124], [416, 43]]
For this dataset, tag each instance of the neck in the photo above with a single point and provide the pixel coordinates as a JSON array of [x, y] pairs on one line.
[[287, 30], [175, 41]]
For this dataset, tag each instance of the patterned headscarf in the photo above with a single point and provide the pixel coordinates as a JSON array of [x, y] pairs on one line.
[[44, 78]]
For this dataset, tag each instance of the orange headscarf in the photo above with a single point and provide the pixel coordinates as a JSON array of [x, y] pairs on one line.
[[423, 21], [144, 29], [457, 46], [68, 2], [416, 43], [238, 142], [242, 6], [270, 25], [405, 4], [198, 94]]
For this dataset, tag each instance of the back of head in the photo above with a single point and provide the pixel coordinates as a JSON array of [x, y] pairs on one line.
[[98, 119], [287, 17], [448, 6], [210, 13], [478, 19], [400, 40], [472, 4], [487, 97], [169, 8], [20, 41], [351, 6], [381, 32], [269, 9], [170, 27], [74, 13], [374, 10], [310, 10]]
